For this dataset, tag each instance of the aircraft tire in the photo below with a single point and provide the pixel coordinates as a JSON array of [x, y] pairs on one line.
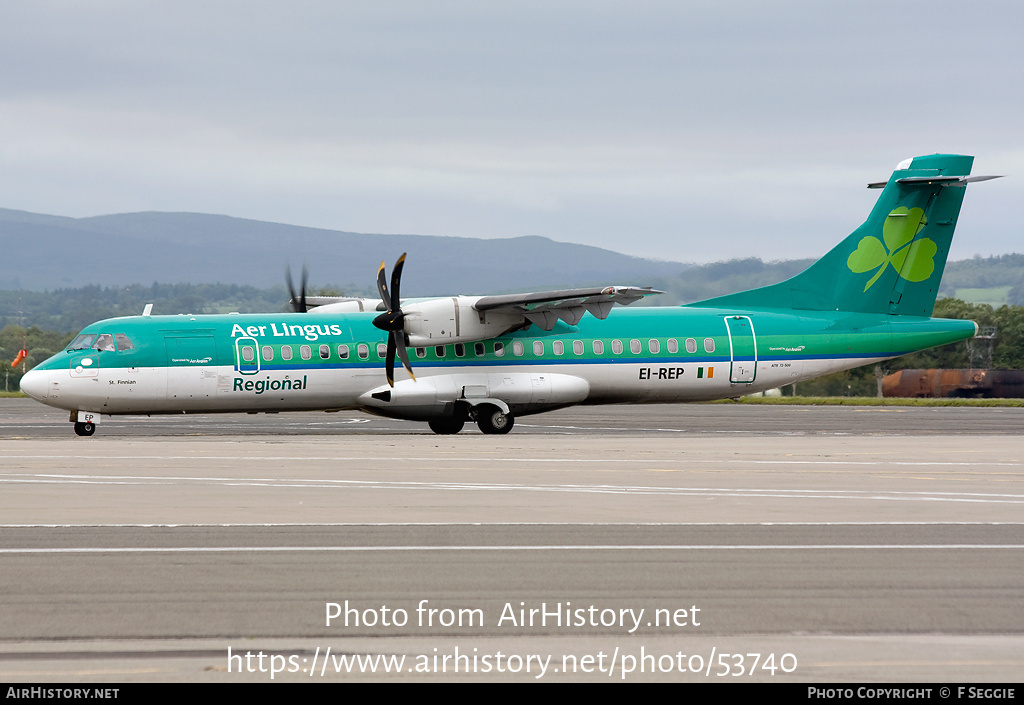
[[85, 428], [446, 426], [493, 420]]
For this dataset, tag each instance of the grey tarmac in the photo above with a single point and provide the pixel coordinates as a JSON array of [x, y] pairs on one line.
[[866, 543]]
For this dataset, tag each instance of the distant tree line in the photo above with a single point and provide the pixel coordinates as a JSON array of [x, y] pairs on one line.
[[986, 272], [721, 278], [40, 344], [72, 309]]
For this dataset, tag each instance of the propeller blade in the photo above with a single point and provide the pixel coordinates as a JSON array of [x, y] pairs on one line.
[[302, 293], [298, 302], [393, 319], [403, 354], [291, 287], [389, 365], [396, 281], [382, 286]]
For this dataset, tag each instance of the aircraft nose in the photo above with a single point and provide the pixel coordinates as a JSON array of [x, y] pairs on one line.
[[35, 383]]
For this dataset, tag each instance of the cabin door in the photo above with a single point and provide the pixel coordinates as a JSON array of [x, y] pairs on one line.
[[742, 349]]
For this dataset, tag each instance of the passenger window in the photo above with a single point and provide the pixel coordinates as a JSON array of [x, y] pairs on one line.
[[363, 350], [248, 353], [691, 345], [343, 352], [421, 352], [517, 348], [558, 347], [634, 346], [268, 353], [538, 347], [478, 348], [382, 350], [673, 346], [709, 345], [577, 347], [617, 347], [305, 352], [123, 343], [599, 347], [286, 352], [325, 352], [460, 350], [499, 350], [439, 350], [654, 346]]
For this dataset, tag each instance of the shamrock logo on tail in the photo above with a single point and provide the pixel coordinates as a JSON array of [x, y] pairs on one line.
[[900, 247]]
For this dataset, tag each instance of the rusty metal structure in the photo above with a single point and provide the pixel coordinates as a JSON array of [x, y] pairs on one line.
[[974, 383]]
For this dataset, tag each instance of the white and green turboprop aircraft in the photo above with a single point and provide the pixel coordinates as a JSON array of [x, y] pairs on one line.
[[490, 359]]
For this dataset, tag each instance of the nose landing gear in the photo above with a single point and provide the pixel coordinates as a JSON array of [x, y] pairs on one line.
[[85, 428]]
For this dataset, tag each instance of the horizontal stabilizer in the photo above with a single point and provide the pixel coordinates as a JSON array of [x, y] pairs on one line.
[[960, 181]]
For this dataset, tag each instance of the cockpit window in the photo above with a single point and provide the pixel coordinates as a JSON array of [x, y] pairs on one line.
[[101, 342], [82, 342]]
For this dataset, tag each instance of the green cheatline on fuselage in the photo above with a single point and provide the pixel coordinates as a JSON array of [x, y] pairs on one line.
[[779, 336]]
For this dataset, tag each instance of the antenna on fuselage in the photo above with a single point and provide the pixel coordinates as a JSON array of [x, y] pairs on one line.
[[148, 310]]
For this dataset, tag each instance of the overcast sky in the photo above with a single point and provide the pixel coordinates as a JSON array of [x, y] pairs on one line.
[[690, 131]]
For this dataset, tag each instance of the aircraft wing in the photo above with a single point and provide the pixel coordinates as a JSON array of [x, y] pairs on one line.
[[453, 319], [546, 307]]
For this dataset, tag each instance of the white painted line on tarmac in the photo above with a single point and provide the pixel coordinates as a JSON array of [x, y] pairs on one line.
[[566, 547], [298, 483]]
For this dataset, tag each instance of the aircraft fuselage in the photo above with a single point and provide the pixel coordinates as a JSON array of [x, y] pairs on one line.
[[289, 362]]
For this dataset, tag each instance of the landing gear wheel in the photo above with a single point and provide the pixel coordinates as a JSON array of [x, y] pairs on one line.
[[446, 426], [491, 419], [86, 428]]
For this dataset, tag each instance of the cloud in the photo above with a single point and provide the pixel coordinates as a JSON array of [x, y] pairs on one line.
[[655, 128]]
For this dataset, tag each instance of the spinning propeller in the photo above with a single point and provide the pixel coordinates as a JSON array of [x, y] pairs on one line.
[[393, 320], [298, 303]]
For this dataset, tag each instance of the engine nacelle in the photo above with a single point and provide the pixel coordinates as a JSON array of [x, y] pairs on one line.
[[454, 320], [343, 305]]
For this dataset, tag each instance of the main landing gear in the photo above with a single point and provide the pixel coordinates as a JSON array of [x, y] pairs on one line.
[[446, 426], [489, 418]]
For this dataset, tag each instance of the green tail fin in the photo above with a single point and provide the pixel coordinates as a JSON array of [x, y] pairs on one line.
[[893, 263]]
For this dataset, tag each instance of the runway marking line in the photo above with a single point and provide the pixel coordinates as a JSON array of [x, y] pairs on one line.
[[566, 547], [300, 483], [554, 523], [682, 458]]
